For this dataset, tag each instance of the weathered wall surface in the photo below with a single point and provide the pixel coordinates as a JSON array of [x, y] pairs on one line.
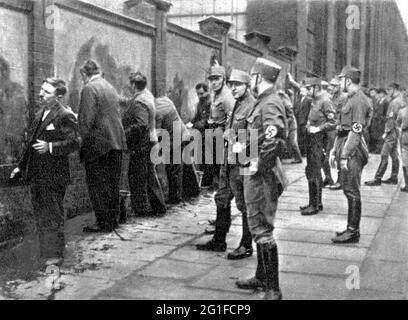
[[239, 59], [119, 52], [29, 52], [13, 82], [14, 57], [187, 64]]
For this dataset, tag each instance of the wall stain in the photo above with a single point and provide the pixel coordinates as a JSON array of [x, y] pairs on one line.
[[116, 75], [13, 116]]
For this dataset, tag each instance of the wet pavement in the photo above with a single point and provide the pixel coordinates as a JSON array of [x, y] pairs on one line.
[[158, 260]]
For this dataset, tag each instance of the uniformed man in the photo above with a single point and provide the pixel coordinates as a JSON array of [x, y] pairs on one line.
[[231, 181], [351, 150], [322, 118], [264, 181], [146, 194], [391, 135], [339, 99], [221, 106]]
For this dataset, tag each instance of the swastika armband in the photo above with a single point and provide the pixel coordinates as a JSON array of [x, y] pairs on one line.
[[357, 128], [271, 132], [330, 116], [391, 115]]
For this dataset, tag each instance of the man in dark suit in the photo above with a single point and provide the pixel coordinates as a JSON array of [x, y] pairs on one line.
[[103, 140], [45, 166], [302, 109]]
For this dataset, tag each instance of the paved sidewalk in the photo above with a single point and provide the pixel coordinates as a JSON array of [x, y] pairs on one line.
[[159, 260]]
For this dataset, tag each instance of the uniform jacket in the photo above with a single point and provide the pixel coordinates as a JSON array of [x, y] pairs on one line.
[[200, 121], [354, 118], [268, 118], [391, 128], [322, 113], [222, 104], [238, 121], [302, 111], [99, 119], [402, 122], [339, 100], [61, 130]]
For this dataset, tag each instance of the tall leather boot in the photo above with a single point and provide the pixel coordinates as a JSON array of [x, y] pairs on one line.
[[394, 172], [245, 249], [405, 189], [270, 260], [222, 225], [380, 173], [348, 218], [352, 234], [314, 200], [311, 190], [259, 280], [328, 181], [320, 195]]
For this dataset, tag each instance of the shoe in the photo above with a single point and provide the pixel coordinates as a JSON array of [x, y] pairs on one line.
[[328, 182], [96, 229], [240, 253], [390, 181], [310, 211], [275, 295], [350, 236], [54, 262], [338, 234], [212, 246], [373, 183], [250, 284], [173, 201], [320, 207], [336, 186], [405, 189], [270, 263]]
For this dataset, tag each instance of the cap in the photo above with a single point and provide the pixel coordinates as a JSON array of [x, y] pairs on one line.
[[335, 82], [394, 85], [313, 81], [382, 90], [217, 71], [267, 69], [240, 76], [350, 72], [137, 77]]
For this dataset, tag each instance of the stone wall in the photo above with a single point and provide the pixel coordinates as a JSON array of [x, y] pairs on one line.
[[123, 37]]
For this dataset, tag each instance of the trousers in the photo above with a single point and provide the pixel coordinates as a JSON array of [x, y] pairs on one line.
[[103, 178], [49, 218]]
